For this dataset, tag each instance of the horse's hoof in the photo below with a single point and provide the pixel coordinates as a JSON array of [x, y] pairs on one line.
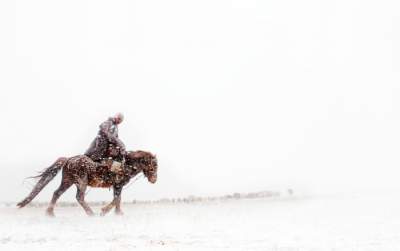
[[119, 213], [50, 213], [90, 214], [103, 212]]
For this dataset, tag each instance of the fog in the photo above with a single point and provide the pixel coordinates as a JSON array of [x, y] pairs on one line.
[[235, 95]]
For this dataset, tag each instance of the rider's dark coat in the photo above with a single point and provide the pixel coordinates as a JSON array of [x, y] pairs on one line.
[[108, 134]]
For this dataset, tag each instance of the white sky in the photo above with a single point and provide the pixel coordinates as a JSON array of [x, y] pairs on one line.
[[234, 95]]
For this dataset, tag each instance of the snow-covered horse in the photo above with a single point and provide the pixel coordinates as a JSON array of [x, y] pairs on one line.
[[82, 171]]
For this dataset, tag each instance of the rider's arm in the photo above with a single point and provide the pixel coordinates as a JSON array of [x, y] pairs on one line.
[[120, 144], [105, 129]]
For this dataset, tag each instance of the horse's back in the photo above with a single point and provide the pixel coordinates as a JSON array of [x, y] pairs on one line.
[[81, 163], [97, 175]]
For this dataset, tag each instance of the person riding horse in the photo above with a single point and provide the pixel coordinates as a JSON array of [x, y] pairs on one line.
[[107, 144], [105, 164]]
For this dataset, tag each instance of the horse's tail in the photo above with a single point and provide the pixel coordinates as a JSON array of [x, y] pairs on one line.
[[45, 177]]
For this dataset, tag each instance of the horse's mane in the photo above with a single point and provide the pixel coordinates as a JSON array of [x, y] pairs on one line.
[[139, 154]]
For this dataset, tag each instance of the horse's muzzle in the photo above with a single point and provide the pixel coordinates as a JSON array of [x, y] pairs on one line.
[[152, 179]]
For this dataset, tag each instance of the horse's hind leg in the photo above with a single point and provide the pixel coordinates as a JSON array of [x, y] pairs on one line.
[[80, 197], [60, 190]]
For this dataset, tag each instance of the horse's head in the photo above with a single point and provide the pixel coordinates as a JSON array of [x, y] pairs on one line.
[[144, 161]]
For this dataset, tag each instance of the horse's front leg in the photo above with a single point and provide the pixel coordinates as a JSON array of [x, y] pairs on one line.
[[106, 209], [117, 198], [115, 202]]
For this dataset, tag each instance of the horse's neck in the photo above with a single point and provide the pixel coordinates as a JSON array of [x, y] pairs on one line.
[[134, 169]]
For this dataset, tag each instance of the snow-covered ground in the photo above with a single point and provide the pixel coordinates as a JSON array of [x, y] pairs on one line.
[[358, 222]]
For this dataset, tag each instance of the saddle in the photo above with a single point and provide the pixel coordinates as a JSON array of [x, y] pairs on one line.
[[114, 166]]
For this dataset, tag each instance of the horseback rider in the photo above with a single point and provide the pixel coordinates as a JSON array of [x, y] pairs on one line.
[[107, 144]]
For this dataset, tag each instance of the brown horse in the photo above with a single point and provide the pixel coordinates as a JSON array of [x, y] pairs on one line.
[[82, 171]]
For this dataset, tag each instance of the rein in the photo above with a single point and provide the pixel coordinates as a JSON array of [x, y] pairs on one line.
[[139, 176]]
